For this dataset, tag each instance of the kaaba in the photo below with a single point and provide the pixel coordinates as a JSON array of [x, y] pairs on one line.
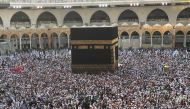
[[94, 49]]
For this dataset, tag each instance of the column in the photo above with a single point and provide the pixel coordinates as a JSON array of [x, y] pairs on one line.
[[49, 41], [162, 41], [173, 38], [130, 40], [59, 40], [151, 41], [40, 42], [68, 39], [119, 40], [140, 41], [20, 42], [184, 42], [30, 42], [10, 44], [16, 43], [114, 59]]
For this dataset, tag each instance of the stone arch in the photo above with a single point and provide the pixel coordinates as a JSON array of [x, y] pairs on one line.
[[124, 41], [14, 42], [54, 41], [135, 39], [157, 38], [179, 39], [73, 18], [1, 22], [167, 38], [146, 39], [3, 38], [20, 19], [157, 16], [100, 18], [124, 35], [63, 40], [44, 41], [128, 16], [35, 41], [46, 19], [188, 39], [184, 16], [25, 42], [3, 44]]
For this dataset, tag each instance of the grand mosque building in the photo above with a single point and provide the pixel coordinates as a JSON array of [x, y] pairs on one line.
[[45, 24]]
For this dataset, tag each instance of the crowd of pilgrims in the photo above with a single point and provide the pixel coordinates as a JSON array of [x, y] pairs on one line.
[[140, 82]]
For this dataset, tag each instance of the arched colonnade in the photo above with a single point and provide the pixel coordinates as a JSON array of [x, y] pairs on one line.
[[154, 37], [54, 38]]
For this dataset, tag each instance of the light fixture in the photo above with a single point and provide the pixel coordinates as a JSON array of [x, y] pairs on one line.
[[164, 3], [67, 6], [103, 5], [134, 4], [39, 7], [17, 6]]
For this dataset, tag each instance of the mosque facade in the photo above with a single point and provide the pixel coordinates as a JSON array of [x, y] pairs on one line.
[[140, 26]]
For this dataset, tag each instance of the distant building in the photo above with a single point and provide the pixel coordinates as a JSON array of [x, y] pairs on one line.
[[45, 24]]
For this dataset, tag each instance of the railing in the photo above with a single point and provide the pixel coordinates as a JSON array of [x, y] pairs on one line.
[[129, 20], [84, 1], [99, 22], [46, 23], [127, 23], [60, 3], [88, 1], [184, 21], [20, 24], [161, 22], [72, 23]]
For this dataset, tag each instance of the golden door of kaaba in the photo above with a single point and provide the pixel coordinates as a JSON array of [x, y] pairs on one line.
[[94, 49]]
